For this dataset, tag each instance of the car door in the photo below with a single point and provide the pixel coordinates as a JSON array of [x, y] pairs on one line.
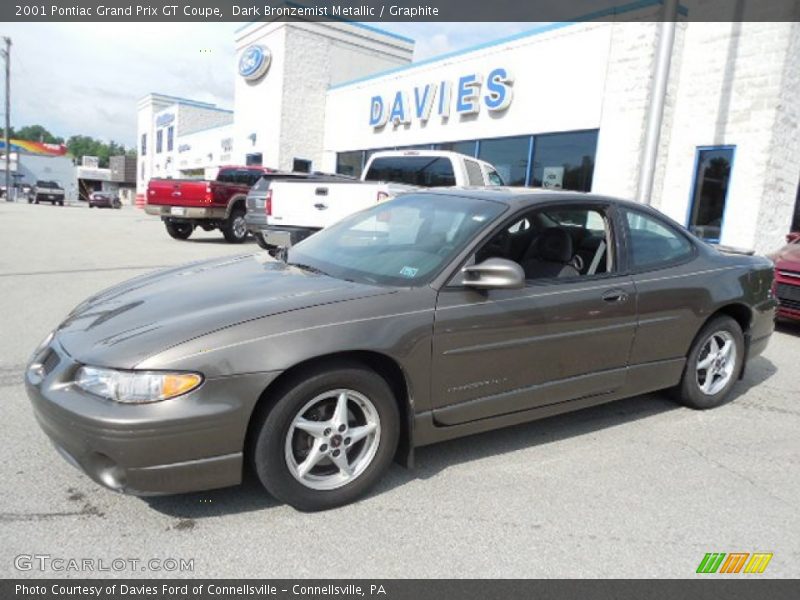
[[555, 340]]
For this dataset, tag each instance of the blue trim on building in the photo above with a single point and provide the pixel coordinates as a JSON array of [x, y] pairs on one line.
[[617, 10], [372, 28]]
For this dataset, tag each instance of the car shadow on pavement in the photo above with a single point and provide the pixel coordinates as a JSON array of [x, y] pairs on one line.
[[431, 460]]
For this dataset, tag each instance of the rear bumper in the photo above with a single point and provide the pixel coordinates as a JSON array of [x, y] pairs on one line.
[[285, 237], [191, 443], [185, 212]]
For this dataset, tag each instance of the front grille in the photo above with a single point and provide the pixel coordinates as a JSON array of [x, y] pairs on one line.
[[50, 362], [785, 273], [784, 291]]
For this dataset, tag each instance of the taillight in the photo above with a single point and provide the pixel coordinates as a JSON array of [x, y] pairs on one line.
[[382, 196], [209, 193], [268, 204]]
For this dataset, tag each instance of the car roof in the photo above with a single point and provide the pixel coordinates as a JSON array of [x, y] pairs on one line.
[[520, 197]]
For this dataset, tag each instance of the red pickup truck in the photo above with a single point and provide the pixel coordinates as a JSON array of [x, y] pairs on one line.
[[184, 204]]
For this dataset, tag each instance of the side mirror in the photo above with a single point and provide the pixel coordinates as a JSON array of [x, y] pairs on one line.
[[494, 274]]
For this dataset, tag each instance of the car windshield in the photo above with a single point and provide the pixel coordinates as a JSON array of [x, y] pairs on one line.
[[404, 242]]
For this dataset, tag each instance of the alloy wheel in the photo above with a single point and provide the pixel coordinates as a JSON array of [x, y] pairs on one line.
[[333, 439], [716, 362]]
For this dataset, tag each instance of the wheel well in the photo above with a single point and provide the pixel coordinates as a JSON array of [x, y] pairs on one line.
[[738, 312], [380, 363], [235, 202]]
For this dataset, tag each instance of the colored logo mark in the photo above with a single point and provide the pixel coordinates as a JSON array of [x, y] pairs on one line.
[[735, 562]]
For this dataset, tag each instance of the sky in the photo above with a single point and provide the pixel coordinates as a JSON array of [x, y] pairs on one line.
[[85, 78]]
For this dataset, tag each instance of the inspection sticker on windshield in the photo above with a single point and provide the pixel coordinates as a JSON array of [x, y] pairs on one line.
[[409, 272]]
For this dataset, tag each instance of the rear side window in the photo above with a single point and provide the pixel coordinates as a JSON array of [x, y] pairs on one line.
[[653, 243], [474, 174], [247, 177], [494, 178], [226, 176], [427, 171]]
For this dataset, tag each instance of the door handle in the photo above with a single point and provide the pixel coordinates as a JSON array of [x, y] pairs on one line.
[[320, 206], [615, 296]]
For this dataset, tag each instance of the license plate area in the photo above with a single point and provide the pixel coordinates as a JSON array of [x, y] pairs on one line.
[[177, 211]]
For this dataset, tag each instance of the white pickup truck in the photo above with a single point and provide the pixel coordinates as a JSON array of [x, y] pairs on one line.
[[296, 209]]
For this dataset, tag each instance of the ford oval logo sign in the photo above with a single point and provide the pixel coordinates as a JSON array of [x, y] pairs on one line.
[[254, 62]]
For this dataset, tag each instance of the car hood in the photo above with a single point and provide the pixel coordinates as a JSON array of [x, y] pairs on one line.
[[127, 323]]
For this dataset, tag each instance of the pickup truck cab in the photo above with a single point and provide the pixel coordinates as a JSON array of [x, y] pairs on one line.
[[184, 204], [296, 209], [47, 191]]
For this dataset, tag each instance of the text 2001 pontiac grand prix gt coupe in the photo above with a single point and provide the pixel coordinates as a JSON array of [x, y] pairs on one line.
[[432, 316]]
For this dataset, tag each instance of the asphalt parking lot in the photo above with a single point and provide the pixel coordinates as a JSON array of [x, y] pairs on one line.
[[637, 488]]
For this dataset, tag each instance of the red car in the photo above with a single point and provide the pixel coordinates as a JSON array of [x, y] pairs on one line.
[[787, 277]]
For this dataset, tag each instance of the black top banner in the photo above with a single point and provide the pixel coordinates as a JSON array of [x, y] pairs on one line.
[[398, 10]]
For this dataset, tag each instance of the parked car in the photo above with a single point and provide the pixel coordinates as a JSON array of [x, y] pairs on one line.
[[104, 200], [437, 315], [296, 209], [257, 208], [47, 191], [787, 277], [184, 204]]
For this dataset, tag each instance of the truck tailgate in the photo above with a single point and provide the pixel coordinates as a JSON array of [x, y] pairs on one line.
[[178, 192], [319, 204]]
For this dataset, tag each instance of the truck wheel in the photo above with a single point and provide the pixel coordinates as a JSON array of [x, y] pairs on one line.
[[179, 231], [235, 228]]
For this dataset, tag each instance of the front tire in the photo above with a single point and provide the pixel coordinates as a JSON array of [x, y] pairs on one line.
[[179, 231], [235, 227], [328, 439], [713, 365]]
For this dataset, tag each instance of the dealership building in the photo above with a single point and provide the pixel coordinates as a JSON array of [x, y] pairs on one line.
[[563, 105]]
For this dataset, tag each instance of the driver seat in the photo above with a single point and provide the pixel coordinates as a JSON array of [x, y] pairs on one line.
[[549, 255]]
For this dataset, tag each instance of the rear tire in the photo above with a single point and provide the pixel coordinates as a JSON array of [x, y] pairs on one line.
[[235, 228], [179, 231], [713, 365], [352, 452]]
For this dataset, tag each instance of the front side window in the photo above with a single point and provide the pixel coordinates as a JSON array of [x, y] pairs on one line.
[[425, 171], [710, 192], [405, 242], [556, 243], [653, 243]]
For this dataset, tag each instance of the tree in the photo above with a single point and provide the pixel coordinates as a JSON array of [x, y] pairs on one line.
[[35, 133]]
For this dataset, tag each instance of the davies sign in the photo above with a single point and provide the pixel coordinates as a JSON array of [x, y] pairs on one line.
[[465, 97]]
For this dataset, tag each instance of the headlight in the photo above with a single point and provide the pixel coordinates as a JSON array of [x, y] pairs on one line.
[[135, 387]]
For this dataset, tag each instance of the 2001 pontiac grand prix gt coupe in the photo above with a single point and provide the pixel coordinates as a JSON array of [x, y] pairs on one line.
[[432, 316]]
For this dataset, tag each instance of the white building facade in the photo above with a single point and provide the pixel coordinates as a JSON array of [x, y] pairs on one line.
[[563, 105]]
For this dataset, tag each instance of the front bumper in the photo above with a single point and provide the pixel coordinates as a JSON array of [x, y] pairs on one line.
[[185, 212], [190, 443], [787, 291]]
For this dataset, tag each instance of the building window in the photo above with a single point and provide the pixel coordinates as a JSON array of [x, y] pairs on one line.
[[564, 160], [350, 163], [301, 165], [254, 159], [468, 147], [159, 140], [144, 144], [509, 156], [170, 137], [710, 192]]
